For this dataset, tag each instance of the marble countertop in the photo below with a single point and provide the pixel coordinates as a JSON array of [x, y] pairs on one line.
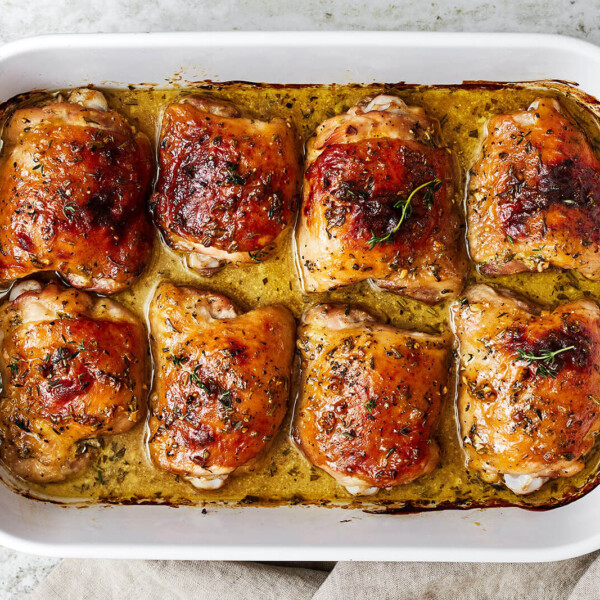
[[579, 18], [20, 573]]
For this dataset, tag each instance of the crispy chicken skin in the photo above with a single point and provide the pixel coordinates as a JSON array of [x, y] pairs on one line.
[[370, 398], [222, 382], [525, 418], [534, 195], [227, 186], [74, 177], [359, 165], [73, 369]]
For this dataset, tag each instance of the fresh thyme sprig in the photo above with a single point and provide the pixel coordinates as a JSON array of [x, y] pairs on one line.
[[233, 177], [431, 187], [257, 256], [193, 377], [69, 209], [546, 366]]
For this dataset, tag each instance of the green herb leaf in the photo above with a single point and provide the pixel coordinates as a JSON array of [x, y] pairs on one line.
[[431, 188], [69, 209], [233, 176], [225, 398], [545, 360], [193, 377], [177, 360], [14, 366], [257, 256]]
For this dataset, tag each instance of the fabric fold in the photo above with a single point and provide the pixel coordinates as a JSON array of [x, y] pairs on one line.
[[575, 579], [166, 580]]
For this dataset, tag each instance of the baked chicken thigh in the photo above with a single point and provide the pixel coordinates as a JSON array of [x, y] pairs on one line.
[[534, 195], [74, 177], [227, 186], [73, 369], [222, 382], [370, 398], [379, 204], [529, 387]]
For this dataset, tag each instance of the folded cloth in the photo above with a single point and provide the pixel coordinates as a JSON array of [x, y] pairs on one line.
[[166, 580], [575, 579], [462, 581]]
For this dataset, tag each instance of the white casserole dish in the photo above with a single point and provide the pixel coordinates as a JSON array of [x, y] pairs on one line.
[[296, 533]]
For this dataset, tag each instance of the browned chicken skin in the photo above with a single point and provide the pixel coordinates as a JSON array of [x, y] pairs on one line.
[[228, 185], [222, 382], [534, 195], [73, 183], [379, 204], [529, 386], [370, 398], [74, 368]]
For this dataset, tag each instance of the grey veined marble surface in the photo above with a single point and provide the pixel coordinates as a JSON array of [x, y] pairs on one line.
[[580, 18], [20, 573]]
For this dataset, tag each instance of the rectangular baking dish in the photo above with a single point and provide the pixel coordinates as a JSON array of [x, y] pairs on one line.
[[295, 532]]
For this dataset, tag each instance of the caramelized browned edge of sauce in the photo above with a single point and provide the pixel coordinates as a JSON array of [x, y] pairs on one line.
[[122, 473]]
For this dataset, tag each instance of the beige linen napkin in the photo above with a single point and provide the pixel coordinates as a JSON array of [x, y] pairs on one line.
[[575, 579], [166, 580]]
